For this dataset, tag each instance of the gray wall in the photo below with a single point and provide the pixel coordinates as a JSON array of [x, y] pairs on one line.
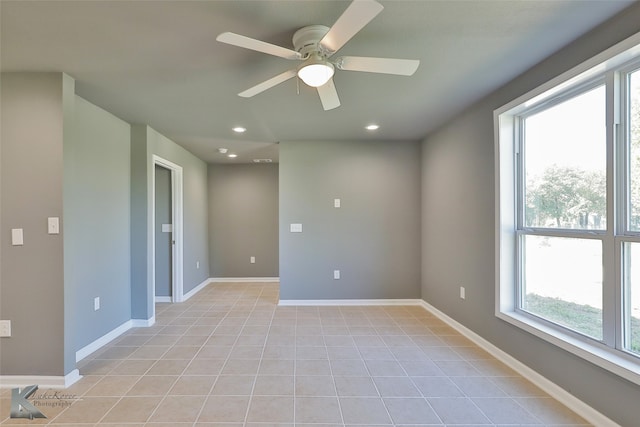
[[243, 220], [145, 142], [32, 276], [97, 218], [373, 239], [458, 232], [142, 299], [64, 157]]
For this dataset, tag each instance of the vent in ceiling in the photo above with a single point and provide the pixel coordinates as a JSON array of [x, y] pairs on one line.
[[262, 161]]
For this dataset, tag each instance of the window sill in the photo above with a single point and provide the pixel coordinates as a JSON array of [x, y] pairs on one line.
[[612, 360]]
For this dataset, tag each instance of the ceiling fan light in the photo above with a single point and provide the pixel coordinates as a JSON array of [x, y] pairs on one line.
[[316, 73]]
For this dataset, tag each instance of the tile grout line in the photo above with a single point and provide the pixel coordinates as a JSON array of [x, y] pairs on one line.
[[264, 343], [333, 378], [229, 311]]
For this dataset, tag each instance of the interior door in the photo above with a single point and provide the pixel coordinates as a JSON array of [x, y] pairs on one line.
[[163, 234]]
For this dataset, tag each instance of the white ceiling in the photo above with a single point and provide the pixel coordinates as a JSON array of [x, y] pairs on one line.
[[157, 62]]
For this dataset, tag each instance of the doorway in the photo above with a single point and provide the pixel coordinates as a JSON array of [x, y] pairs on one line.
[[166, 231], [163, 231]]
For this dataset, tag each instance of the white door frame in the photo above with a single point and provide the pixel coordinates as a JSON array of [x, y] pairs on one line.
[[177, 294]]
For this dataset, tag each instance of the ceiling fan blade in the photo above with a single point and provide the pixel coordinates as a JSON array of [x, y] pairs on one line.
[[267, 84], [258, 45], [329, 96], [402, 67], [353, 19]]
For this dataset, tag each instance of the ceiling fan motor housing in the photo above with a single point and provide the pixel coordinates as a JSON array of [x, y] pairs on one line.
[[306, 40]]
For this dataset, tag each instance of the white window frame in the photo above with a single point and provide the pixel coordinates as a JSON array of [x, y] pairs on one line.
[[606, 354]]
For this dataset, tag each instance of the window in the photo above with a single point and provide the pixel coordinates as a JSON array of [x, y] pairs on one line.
[[568, 210], [563, 174], [562, 282]]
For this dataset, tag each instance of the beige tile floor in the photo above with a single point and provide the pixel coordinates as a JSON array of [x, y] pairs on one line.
[[231, 357]]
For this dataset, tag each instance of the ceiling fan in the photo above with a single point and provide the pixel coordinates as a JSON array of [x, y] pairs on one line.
[[315, 44]]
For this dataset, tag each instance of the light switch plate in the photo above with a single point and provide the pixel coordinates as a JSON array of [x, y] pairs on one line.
[[252, 260], [336, 203], [53, 225], [5, 328], [96, 304], [17, 237], [336, 274], [296, 228]]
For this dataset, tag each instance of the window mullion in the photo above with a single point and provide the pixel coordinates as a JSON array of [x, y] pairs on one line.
[[623, 204], [612, 257]]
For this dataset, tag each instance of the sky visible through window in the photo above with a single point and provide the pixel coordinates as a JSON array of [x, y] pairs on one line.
[[571, 134]]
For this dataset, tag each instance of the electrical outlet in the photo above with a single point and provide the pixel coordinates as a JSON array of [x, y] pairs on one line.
[[5, 328], [462, 293], [252, 260], [96, 304], [336, 274]]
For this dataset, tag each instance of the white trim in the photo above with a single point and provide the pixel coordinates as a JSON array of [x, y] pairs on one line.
[[71, 378], [197, 289], [143, 323], [177, 208], [555, 391], [348, 302], [163, 299], [102, 341], [44, 381], [244, 279], [113, 334]]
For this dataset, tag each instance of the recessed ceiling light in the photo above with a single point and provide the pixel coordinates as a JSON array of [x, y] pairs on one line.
[[239, 129], [372, 127], [232, 155]]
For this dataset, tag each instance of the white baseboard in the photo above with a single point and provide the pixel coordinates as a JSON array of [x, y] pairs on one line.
[[102, 341], [197, 289], [113, 334], [557, 392], [143, 323], [350, 302], [42, 381], [163, 299], [244, 279], [71, 378]]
